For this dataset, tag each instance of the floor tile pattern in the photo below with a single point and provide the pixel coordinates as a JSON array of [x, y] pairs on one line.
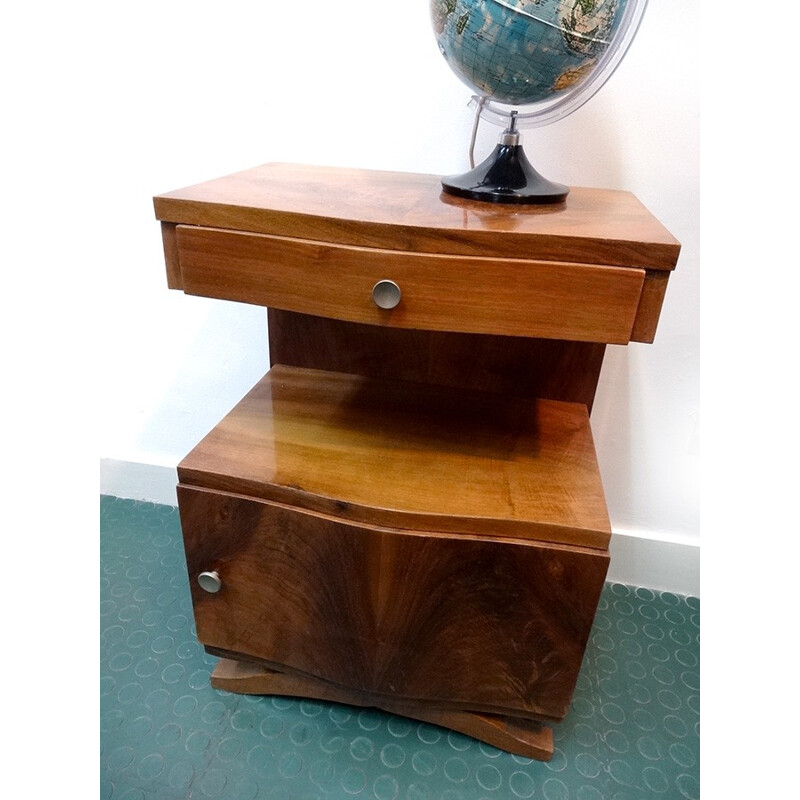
[[632, 733]]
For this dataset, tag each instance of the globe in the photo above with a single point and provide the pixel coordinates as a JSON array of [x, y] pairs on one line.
[[529, 61]]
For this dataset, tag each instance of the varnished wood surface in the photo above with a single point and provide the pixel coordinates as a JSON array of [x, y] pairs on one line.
[[169, 239], [650, 303], [546, 368], [411, 456], [465, 623], [429, 534], [399, 211], [525, 738], [515, 297]]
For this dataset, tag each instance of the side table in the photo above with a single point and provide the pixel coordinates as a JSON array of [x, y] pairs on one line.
[[406, 512]]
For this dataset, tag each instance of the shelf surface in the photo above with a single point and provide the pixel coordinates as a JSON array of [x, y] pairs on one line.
[[410, 456], [409, 212]]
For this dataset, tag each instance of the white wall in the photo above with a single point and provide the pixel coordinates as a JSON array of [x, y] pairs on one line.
[[179, 92]]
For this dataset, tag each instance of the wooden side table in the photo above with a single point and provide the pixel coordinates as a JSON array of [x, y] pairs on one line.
[[406, 511]]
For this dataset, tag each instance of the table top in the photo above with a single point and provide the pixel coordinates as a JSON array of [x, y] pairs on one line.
[[408, 211]]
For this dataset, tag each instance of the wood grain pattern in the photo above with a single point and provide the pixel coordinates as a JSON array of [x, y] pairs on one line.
[[526, 738], [523, 367], [404, 513], [400, 211], [464, 623], [410, 456], [439, 292]]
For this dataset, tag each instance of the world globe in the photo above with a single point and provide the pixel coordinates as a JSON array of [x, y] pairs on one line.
[[530, 61]]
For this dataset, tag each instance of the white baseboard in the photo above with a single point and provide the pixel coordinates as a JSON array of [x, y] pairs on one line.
[[133, 481], [637, 557]]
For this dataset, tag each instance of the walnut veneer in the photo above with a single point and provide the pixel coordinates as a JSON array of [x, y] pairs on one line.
[[406, 511]]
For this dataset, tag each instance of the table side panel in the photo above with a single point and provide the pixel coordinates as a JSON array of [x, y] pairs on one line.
[[169, 239], [649, 312]]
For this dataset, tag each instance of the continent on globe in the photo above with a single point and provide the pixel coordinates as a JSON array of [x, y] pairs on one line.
[[521, 52], [587, 25]]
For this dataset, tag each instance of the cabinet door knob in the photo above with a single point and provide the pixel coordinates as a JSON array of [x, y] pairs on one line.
[[386, 294], [209, 581]]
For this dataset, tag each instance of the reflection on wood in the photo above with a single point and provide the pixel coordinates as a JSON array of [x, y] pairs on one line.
[[408, 455]]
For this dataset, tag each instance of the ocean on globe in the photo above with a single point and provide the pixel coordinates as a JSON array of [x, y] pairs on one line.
[[521, 52]]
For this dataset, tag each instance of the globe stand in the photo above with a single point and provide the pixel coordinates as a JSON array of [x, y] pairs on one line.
[[506, 176]]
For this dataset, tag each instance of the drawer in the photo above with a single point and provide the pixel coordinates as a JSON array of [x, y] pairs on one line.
[[493, 625], [468, 294]]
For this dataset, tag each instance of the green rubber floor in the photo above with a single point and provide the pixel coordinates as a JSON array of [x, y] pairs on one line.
[[632, 732]]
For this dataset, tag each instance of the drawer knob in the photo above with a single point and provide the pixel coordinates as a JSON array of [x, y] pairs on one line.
[[209, 581], [386, 294]]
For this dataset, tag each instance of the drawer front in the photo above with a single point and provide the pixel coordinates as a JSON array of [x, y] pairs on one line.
[[515, 297], [489, 625]]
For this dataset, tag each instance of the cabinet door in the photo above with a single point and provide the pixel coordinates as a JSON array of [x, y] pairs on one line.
[[467, 623]]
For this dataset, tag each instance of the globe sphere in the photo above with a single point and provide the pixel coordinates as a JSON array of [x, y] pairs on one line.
[[523, 52]]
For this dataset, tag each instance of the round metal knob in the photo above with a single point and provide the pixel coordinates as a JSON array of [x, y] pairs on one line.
[[209, 581], [386, 294]]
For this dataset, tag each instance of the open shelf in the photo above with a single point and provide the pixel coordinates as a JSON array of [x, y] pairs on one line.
[[409, 456]]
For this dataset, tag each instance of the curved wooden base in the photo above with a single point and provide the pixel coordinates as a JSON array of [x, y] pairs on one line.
[[526, 738]]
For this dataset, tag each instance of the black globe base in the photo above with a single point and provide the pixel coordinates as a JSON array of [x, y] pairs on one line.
[[506, 177]]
